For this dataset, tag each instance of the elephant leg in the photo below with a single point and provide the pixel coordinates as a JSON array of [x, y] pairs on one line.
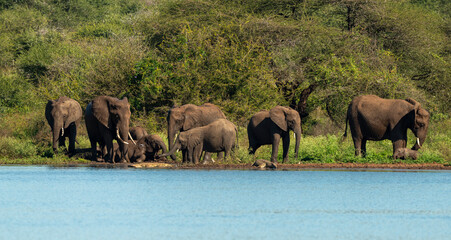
[[285, 145], [72, 138], [401, 143], [190, 155], [357, 146], [363, 147], [109, 152], [93, 150], [220, 156], [197, 153], [184, 156], [275, 147], [253, 148], [207, 157], [226, 153]]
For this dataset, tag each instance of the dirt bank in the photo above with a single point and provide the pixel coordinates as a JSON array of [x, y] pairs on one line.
[[248, 166]]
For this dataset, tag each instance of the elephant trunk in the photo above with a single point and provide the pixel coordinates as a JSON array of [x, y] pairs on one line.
[[419, 142], [122, 137], [298, 133], [171, 152], [171, 137], [58, 131], [162, 146]]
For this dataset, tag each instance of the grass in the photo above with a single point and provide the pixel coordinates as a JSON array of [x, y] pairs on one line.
[[26, 139]]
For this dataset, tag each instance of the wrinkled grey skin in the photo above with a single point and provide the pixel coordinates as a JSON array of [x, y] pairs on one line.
[[373, 118], [108, 118], [138, 132], [190, 116], [63, 116], [135, 153], [153, 144], [217, 136], [404, 153], [268, 127]]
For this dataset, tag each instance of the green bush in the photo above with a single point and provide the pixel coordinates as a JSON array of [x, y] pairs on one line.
[[16, 148]]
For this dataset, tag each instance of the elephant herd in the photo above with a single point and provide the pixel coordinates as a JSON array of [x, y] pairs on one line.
[[197, 129]]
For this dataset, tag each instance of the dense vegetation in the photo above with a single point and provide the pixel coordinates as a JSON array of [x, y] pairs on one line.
[[242, 55]]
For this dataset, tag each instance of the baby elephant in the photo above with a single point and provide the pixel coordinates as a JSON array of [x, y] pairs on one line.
[[218, 136], [137, 132], [136, 152], [152, 144], [261, 163], [404, 153]]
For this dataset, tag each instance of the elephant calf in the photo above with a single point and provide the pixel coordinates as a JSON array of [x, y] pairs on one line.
[[138, 132], [404, 153], [152, 144], [63, 116], [135, 152], [217, 136], [261, 163]]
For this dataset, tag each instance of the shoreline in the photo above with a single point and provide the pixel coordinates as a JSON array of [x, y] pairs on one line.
[[248, 166]]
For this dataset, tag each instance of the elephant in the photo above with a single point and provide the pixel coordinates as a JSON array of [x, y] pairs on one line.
[[373, 118], [261, 163], [190, 116], [404, 153], [217, 136], [63, 116], [108, 118], [153, 144], [135, 153], [267, 127], [138, 132]]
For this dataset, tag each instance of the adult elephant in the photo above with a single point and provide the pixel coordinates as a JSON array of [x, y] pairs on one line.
[[63, 115], [190, 116], [218, 136], [108, 118], [373, 118], [267, 127]]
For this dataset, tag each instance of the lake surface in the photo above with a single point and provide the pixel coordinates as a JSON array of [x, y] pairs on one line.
[[90, 203]]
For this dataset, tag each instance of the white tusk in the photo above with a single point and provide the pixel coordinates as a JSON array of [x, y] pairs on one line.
[[62, 131], [418, 142], [177, 150], [131, 138], [294, 135], [119, 137]]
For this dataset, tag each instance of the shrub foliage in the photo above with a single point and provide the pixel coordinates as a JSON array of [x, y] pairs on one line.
[[242, 55]]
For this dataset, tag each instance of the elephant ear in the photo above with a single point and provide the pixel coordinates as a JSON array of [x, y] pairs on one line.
[[100, 109], [417, 110], [194, 139], [416, 105], [74, 111], [278, 116], [191, 118], [48, 112]]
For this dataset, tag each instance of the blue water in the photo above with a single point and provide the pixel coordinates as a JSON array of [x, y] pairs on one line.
[[89, 203]]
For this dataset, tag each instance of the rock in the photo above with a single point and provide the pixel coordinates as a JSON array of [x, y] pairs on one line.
[[261, 163]]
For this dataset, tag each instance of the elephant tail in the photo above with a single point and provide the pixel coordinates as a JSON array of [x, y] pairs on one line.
[[346, 126], [236, 146]]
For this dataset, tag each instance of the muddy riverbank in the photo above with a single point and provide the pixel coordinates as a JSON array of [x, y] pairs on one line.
[[248, 166]]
